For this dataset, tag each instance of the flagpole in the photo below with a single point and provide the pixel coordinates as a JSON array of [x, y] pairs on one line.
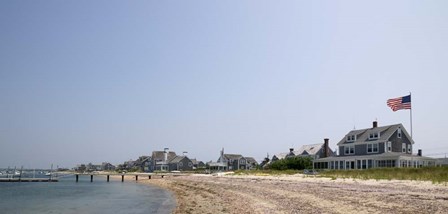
[[411, 111]]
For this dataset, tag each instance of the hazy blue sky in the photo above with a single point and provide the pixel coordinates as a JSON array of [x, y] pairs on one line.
[[93, 81]]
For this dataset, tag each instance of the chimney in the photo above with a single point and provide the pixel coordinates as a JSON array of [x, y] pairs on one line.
[[419, 152], [326, 148], [166, 151], [375, 124], [291, 149]]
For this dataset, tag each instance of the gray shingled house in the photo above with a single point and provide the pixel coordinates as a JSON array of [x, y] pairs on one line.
[[180, 163], [386, 146], [233, 161], [198, 164], [251, 163], [229, 162], [160, 160], [315, 151]]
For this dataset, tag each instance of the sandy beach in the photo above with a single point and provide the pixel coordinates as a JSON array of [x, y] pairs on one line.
[[301, 194]]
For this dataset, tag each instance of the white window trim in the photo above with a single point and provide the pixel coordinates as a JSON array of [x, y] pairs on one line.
[[403, 147], [372, 144], [409, 148], [389, 145], [399, 133], [349, 153], [351, 138], [372, 137]]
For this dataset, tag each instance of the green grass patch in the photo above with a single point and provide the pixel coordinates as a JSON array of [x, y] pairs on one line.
[[434, 174]]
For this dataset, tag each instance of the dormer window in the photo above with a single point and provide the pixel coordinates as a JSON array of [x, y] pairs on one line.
[[399, 133], [374, 135], [351, 138], [409, 148], [403, 147]]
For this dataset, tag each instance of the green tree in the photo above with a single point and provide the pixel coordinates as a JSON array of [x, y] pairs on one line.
[[295, 163]]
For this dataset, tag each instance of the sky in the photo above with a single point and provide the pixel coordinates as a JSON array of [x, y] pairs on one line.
[[95, 81]]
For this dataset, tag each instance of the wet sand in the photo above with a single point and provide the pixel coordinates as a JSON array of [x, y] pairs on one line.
[[301, 194]]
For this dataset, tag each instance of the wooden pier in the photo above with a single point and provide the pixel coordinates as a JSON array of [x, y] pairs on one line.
[[122, 176], [133, 177], [28, 180]]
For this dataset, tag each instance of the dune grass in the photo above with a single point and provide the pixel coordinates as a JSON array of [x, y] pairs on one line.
[[434, 174], [267, 172]]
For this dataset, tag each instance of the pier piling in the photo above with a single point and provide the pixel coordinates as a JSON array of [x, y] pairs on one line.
[[91, 178], [77, 177], [149, 176], [122, 178], [107, 178], [136, 178]]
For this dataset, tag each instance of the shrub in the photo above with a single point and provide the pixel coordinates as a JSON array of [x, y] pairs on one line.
[[294, 163]]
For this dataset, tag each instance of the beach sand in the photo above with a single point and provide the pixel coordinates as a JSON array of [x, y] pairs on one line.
[[301, 194]]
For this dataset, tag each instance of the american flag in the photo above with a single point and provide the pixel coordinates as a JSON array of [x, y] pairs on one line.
[[399, 103]]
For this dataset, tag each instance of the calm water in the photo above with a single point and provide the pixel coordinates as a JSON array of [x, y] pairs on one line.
[[67, 196]]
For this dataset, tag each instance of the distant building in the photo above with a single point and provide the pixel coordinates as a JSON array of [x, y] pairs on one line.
[[251, 163], [80, 168], [160, 160], [232, 162], [143, 163], [106, 166], [198, 164], [279, 156], [180, 163], [92, 167], [315, 151]]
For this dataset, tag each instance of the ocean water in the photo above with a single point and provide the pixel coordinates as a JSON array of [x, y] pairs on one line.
[[67, 196]]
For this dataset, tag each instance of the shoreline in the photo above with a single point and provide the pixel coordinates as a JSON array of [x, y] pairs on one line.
[[301, 194]]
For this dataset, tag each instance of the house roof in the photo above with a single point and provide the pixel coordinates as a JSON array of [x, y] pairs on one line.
[[310, 149], [251, 160], [160, 155], [232, 156], [177, 159], [194, 161], [362, 135], [281, 155]]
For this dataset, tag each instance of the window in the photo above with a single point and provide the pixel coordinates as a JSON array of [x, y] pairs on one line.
[[399, 133], [374, 135], [190, 164], [351, 138], [181, 164], [409, 148], [386, 163], [242, 161], [389, 146], [349, 150], [372, 148], [403, 147]]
